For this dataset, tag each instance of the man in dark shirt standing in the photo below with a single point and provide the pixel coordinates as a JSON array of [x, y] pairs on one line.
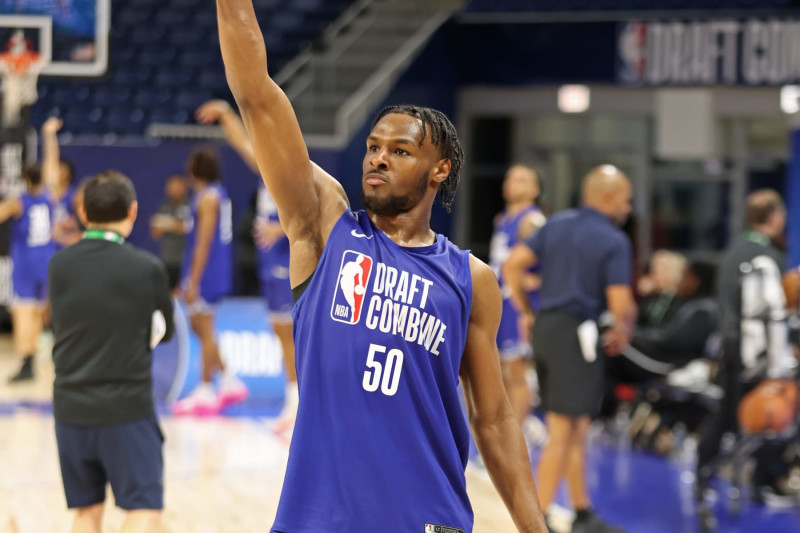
[[585, 262], [169, 226], [753, 321], [104, 296]]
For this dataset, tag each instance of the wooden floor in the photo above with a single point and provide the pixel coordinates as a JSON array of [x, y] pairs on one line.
[[222, 474]]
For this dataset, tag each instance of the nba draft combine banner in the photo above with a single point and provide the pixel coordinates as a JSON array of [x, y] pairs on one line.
[[709, 52], [248, 347]]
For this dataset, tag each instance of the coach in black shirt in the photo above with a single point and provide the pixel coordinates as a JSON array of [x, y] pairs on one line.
[[104, 294]]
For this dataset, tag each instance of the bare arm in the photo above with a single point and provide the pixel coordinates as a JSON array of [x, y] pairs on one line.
[[494, 426], [622, 305], [515, 268], [51, 155], [220, 111], [207, 217], [308, 206], [10, 208]]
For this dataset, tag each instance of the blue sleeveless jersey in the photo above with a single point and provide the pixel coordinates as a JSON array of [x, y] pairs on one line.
[[216, 280], [31, 242], [504, 238], [380, 442], [278, 255]]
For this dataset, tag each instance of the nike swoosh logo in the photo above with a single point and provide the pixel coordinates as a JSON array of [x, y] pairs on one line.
[[355, 233]]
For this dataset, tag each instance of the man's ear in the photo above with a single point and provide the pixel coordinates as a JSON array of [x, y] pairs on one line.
[[441, 170], [82, 215], [133, 211]]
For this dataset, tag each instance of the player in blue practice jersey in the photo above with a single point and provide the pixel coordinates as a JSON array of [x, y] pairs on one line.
[[273, 252], [206, 279], [520, 219], [390, 317], [31, 249], [58, 176]]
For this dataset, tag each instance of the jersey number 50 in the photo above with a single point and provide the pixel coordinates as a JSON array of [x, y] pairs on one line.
[[390, 370]]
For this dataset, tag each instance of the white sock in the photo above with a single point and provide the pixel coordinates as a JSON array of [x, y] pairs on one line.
[[292, 395], [206, 388]]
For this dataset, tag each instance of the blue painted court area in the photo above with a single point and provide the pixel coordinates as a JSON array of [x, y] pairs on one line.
[[645, 494]]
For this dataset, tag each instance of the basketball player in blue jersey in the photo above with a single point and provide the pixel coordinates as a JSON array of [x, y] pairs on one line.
[[273, 252], [390, 317], [206, 275], [58, 175], [31, 249], [520, 219]]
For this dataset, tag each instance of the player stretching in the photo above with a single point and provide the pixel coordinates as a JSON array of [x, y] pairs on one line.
[[31, 249], [273, 252], [520, 219], [380, 443], [206, 280]]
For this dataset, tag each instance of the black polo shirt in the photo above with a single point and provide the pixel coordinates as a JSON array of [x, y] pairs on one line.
[[580, 253], [103, 294]]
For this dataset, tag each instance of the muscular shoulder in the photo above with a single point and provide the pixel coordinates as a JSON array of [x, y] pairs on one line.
[[486, 297]]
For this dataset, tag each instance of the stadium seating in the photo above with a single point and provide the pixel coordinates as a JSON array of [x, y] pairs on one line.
[[164, 61]]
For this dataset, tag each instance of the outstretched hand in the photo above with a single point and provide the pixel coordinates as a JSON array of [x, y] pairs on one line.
[[52, 125], [212, 111]]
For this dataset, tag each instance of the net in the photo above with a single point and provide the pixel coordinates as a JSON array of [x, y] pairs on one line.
[[19, 68]]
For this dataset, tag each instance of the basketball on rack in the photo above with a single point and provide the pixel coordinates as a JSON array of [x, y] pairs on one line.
[[771, 406]]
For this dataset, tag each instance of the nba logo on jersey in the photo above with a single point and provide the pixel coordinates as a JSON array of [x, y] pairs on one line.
[[351, 287]]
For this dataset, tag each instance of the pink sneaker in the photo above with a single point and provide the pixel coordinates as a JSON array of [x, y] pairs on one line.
[[231, 391], [201, 402]]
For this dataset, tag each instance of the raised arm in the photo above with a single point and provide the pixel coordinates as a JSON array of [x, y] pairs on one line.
[[219, 111], [51, 155], [9, 208], [494, 426], [308, 206]]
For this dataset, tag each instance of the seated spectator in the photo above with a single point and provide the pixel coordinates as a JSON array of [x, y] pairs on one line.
[[656, 290], [656, 351]]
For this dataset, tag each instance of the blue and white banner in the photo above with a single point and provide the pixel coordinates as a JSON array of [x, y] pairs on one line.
[[709, 52], [248, 346]]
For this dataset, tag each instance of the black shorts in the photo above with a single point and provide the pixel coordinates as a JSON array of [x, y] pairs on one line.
[[128, 456], [173, 276], [568, 383]]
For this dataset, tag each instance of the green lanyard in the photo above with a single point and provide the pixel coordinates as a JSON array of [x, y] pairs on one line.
[[758, 238], [103, 235]]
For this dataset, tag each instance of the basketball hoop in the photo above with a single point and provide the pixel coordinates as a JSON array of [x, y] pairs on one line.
[[19, 69]]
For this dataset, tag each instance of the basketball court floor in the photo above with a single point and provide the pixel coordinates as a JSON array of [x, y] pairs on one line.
[[224, 474]]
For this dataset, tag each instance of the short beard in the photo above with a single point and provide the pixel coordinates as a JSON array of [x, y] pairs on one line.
[[390, 206], [396, 205]]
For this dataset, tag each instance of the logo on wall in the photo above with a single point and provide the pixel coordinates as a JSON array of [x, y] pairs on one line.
[[709, 52]]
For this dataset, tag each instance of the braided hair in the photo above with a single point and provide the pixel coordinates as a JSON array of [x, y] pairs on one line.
[[444, 136]]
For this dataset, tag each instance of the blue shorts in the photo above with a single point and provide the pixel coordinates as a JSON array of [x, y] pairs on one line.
[[128, 456], [275, 285], [29, 284], [509, 343]]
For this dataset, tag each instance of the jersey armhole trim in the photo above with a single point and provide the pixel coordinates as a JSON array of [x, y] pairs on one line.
[[297, 292]]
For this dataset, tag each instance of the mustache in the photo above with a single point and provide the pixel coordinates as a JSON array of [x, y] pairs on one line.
[[378, 172]]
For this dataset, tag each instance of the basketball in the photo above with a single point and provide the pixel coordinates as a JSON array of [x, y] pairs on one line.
[[359, 290], [769, 407]]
